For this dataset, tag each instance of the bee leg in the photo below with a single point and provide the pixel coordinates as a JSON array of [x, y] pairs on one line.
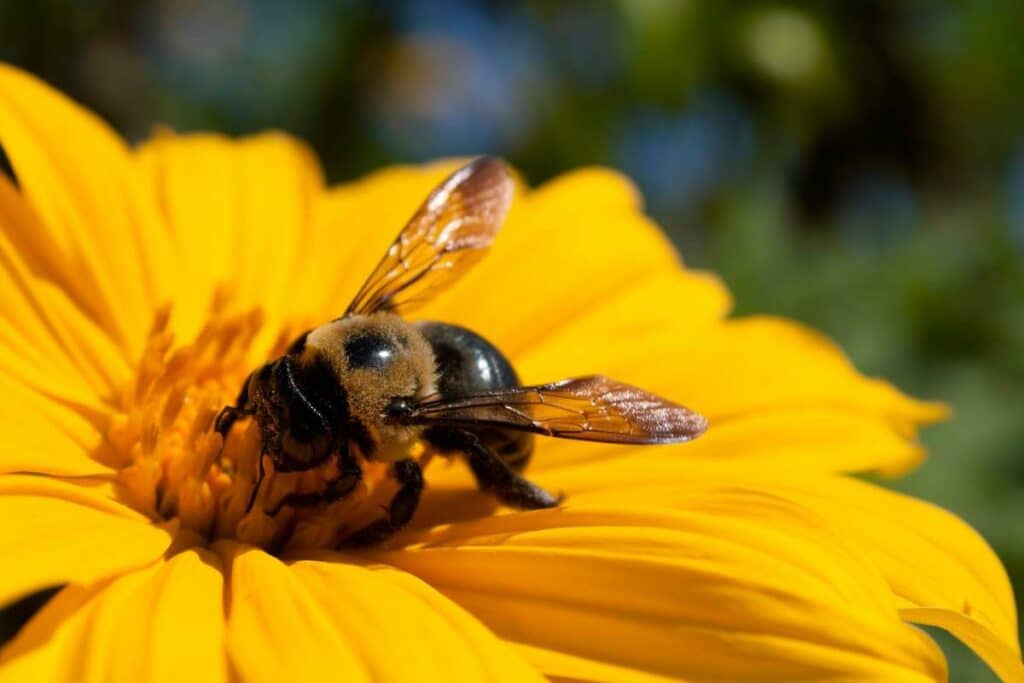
[[492, 474], [228, 415], [226, 419], [400, 510], [348, 477]]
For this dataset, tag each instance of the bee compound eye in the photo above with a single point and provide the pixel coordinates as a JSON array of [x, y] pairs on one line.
[[399, 407], [370, 351]]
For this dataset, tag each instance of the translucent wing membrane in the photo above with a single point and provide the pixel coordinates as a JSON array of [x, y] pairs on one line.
[[592, 408], [444, 238]]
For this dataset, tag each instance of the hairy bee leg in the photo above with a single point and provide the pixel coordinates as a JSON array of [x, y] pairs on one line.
[[492, 474], [400, 510], [348, 477], [226, 419]]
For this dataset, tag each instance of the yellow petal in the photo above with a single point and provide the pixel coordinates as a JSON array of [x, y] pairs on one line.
[[161, 624], [46, 338], [66, 534], [320, 619], [695, 594], [821, 439], [74, 171], [646, 308], [929, 557], [742, 374], [239, 214], [570, 246], [1004, 660], [381, 611], [759, 364], [41, 435], [559, 666], [276, 629]]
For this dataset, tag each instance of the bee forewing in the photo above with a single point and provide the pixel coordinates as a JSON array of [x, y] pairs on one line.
[[593, 408], [444, 238]]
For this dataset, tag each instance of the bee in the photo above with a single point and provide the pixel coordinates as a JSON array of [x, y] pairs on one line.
[[372, 384]]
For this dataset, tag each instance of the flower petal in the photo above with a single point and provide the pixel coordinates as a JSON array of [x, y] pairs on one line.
[[165, 623], [817, 439], [1004, 660], [325, 619], [755, 364], [668, 298], [239, 214], [66, 534], [695, 594], [385, 611], [40, 435], [46, 339], [570, 246], [560, 666], [74, 171], [929, 557], [760, 380]]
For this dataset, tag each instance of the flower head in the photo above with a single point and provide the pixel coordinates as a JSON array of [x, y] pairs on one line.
[[140, 286]]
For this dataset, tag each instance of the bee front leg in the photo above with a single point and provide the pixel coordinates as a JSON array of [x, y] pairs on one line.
[[243, 407], [400, 510], [348, 477], [492, 474], [226, 419]]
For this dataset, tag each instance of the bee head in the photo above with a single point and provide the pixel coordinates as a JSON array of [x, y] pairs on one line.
[[298, 409]]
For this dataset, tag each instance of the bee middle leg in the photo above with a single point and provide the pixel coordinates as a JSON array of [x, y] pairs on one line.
[[492, 474], [399, 511]]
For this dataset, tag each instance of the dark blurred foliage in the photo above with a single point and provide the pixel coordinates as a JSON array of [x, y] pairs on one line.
[[856, 165]]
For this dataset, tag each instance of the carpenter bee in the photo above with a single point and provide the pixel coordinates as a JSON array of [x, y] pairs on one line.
[[371, 384]]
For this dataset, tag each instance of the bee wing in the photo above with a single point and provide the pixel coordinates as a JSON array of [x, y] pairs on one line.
[[592, 408], [447, 235]]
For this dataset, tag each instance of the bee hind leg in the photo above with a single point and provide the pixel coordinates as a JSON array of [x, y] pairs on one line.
[[399, 511], [492, 474]]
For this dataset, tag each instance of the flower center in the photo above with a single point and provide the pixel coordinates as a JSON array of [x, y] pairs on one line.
[[172, 466]]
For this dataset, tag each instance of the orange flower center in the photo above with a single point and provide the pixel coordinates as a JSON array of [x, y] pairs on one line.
[[173, 466]]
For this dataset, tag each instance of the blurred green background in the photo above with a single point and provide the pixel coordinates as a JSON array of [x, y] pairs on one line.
[[856, 165]]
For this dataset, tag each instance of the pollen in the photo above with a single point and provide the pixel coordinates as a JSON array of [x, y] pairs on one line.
[[173, 467]]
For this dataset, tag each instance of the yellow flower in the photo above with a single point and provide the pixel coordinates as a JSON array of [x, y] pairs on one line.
[[137, 287]]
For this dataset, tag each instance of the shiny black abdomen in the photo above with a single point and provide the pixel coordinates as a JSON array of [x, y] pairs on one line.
[[469, 364]]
